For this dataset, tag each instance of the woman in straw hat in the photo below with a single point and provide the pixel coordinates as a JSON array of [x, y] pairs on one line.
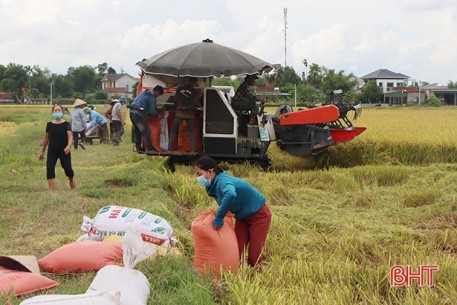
[[78, 123]]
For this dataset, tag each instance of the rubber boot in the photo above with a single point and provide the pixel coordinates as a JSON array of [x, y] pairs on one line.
[[72, 183], [51, 184]]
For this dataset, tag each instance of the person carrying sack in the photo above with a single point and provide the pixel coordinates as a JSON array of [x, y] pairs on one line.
[[147, 101]]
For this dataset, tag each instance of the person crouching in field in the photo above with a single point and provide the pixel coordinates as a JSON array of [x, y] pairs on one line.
[[59, 137], [253, 217]]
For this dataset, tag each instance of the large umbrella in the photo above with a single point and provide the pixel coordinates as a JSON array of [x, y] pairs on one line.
[[204, 59]]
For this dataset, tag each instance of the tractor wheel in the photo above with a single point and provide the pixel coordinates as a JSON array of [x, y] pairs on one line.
[[170, 165], [265, 164]]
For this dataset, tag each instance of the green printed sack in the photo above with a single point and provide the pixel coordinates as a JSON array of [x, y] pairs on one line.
[[115, 220]]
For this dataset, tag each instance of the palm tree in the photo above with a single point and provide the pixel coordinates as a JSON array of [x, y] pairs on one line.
[[314, 74], [305, 63]]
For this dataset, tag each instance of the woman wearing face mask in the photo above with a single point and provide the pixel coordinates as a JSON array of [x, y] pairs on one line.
[[253, 217], [59, 137]]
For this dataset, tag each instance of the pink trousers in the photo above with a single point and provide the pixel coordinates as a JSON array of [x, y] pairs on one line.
[[252, 233]]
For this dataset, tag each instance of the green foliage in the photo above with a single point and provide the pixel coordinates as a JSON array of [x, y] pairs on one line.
[[84, 79], [371, 93], [14, 80], [337, 81], [100, 95], [290, 76], [435, 101], [135, 87], [222, 81], [315, 75]]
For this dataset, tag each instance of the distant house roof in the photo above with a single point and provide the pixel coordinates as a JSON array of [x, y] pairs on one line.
[[115, 77], [384, 74], [433, 86]]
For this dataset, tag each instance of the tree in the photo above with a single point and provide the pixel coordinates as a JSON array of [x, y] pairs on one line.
[[135, 87], [15, 81], [84, 79], [102, 68], [101, 95], [62, 86], [452, 85], [308, 94], [435, 101], [305, 63], [222, 81], [290, 76], [336, 81], [315, 75], [371, 93]]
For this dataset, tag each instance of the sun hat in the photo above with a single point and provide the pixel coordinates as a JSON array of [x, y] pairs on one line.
[[79, 102], [114, 101], [26, 263], [123, 99]]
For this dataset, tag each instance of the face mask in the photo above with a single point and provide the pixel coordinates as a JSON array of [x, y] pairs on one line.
[[57, 115], [203, 181]]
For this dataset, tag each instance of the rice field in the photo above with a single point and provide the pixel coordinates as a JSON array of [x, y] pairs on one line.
[[340, 220]]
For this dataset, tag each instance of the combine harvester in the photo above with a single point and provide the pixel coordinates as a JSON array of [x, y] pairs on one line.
[[224, 134]]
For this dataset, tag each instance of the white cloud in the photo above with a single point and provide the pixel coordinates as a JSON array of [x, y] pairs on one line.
[[414, 37]]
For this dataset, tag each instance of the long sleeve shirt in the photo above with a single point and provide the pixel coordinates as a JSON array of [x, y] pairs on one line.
[[235, 195], [78, 120], [95, 119], [147, 101], [244, 93]]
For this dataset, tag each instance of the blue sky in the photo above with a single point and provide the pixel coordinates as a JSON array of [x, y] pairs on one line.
[[416, 38]]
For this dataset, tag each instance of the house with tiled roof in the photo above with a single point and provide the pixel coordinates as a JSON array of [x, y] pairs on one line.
[[397, 92], [387, 79], [117, 85]]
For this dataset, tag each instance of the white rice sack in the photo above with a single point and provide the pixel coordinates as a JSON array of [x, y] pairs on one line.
[[133, 285], [91, 298], [114, 220]]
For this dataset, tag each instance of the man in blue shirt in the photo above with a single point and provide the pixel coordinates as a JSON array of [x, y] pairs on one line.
[[144, 105], [97, 119]]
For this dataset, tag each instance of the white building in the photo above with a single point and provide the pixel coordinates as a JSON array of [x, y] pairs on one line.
[[387, 79], [119, 84]]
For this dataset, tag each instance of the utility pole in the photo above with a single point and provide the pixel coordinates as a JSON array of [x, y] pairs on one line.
[[285, 37], [52, 82]]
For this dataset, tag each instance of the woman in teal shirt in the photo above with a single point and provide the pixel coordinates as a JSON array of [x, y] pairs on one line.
[[235, 195]]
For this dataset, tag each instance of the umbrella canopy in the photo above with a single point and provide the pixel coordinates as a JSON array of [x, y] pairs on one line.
[[204, 59]]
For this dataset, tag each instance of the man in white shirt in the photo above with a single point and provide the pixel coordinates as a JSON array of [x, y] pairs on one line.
[[118, 123]]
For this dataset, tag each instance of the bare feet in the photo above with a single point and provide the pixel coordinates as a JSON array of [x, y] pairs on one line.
[[72, 183], [51, 184]]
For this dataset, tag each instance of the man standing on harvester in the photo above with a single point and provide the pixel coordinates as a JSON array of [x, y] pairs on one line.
[[144, 105]]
